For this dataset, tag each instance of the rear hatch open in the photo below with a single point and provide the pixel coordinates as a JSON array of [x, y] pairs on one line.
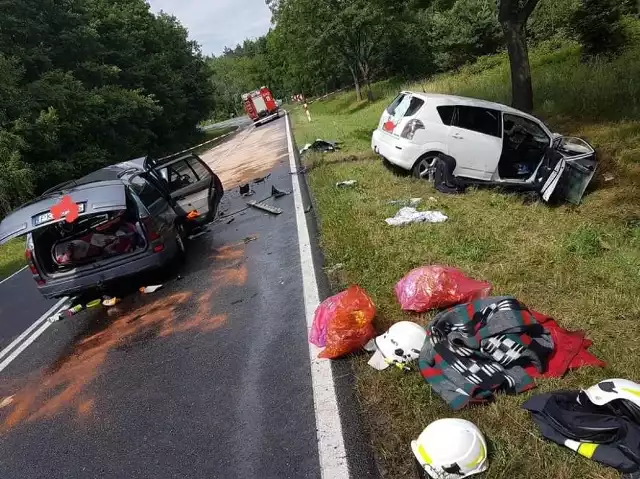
[[107, 227]]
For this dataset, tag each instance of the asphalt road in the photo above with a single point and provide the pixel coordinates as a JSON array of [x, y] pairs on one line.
[[207, 378], [20, 305], [240, 122]]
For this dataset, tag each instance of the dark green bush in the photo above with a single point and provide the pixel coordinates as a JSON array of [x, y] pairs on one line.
[[598, 26]]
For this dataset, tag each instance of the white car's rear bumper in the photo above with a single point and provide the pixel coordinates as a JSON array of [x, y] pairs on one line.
[[399, 151]]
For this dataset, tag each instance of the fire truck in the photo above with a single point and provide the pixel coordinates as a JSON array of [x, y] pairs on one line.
[[260, 106]]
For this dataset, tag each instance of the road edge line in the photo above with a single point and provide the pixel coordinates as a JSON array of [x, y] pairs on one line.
[[331, 447], [37, 322], [14, 274]]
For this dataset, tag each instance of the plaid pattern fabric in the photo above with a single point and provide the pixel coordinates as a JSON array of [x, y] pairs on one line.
[[475, 349]]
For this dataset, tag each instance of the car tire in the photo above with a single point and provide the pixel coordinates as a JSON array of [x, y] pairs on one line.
[[422, 167]]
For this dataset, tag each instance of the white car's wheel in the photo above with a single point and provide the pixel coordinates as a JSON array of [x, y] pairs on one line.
[[425, 167]]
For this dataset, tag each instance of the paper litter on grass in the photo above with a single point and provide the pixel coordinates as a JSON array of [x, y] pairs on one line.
[[409, 215]]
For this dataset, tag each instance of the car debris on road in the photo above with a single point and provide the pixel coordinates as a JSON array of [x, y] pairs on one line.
[[268, 208], [277, 193], [150, 289], [110, 301], [6, 401], [408, 215], [245, 190], [197, 234]]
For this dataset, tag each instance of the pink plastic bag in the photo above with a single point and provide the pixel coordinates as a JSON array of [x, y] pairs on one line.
[[434, 287], [343, 323]]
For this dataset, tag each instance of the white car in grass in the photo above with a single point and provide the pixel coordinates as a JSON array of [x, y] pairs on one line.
[[456, 141]]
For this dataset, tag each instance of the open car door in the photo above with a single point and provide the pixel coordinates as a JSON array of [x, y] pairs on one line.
[[188, 181], [573, 172]]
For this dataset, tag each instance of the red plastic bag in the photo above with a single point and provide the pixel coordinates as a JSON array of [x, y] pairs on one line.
[[343, 323], [431, 287]]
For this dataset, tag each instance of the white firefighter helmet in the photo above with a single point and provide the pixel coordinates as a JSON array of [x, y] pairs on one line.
[[621, 395], [451, 449], [400, 345]]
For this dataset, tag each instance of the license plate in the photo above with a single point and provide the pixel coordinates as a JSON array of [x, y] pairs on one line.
[[46, 217]]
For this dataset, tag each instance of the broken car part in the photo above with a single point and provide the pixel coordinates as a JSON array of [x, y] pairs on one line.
[[245, 190], [150, 289], [276, 193], [268, 208]]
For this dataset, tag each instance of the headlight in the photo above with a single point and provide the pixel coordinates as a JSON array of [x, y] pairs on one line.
[[411, 128]]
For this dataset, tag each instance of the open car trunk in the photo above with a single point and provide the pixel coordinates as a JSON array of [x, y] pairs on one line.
[[91, 241], [106, 229]]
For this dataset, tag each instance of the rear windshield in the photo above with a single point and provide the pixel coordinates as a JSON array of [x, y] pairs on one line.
[[416, 104], [391, 109]]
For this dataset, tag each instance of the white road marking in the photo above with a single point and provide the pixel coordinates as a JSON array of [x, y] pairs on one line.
[[28, 331], [331, 449], [14, 274]]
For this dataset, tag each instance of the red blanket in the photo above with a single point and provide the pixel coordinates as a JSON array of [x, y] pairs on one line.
[[570, 350]]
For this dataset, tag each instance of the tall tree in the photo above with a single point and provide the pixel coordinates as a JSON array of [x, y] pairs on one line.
[[513, 16], [85, 83], [598, 26]]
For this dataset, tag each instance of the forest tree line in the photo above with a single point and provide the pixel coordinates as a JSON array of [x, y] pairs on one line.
[[87, 83], [317, 46]]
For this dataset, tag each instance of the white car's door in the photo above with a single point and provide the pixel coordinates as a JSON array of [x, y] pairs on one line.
[[573, 173], [475, 141]]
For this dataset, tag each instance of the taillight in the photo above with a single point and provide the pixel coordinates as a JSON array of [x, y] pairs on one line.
[[150, 228], [28, 255], [411, 128], [152, 234]]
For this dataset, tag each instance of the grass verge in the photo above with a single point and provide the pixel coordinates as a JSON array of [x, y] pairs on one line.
[[11, 258], [578, 264]]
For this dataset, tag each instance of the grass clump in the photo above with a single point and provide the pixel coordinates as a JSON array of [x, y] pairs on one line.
[[11, 258]]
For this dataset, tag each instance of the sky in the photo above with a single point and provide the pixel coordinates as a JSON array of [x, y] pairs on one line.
[[215, 24]]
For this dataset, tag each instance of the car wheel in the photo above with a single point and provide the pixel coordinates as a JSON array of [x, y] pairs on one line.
[[425, 167]]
